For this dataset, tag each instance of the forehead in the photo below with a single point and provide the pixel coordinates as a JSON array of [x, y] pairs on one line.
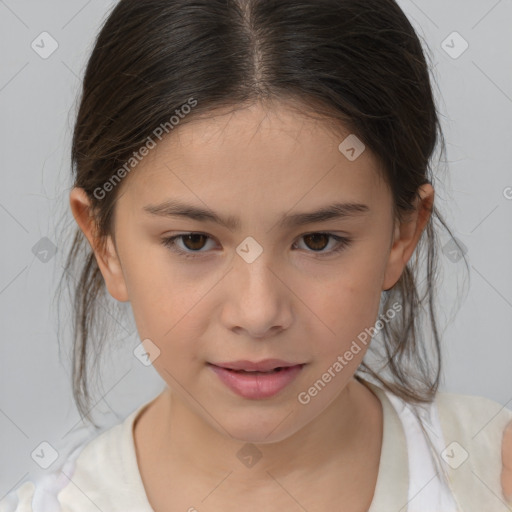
[[258, 153]]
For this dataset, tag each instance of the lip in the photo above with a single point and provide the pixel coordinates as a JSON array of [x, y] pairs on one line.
[[257, 386], [261, 366]]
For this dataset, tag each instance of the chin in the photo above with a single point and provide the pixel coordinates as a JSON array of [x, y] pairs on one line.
[[254, 430]]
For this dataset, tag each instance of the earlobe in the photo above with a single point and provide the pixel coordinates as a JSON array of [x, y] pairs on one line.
[[407, 235], [112, 271], [104, 250]]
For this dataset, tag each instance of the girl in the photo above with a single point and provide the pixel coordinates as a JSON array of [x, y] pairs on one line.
[[254, 177]]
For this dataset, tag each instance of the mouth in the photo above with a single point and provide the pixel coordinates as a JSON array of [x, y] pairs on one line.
[[264, 367], [257, 384], [255, 372]]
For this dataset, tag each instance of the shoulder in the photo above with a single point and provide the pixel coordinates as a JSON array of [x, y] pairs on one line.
[[473, 428], [39, 492], [91, 465], [475, 417], [19, 499]]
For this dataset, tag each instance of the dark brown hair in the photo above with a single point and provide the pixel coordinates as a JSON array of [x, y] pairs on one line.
[[357, 63]]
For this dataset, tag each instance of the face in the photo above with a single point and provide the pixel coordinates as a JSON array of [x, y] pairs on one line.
[[263, 285]]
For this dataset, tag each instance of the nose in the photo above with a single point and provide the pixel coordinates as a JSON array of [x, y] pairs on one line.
[[259, 303]]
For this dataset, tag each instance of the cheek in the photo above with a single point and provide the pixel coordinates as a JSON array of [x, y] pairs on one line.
[[155, 291], [346, 306], [168, 309]]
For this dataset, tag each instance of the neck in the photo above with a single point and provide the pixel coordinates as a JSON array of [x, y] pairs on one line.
[[335, 439]]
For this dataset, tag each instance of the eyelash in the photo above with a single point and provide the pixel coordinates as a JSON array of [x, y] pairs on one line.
[[170, 243]]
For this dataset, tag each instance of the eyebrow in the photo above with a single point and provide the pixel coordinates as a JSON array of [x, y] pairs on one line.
[[174, 208]]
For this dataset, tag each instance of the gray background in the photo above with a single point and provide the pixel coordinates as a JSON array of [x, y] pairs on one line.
[[38, 100]]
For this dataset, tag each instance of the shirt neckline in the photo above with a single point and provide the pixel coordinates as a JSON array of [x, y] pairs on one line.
[[391, 489]]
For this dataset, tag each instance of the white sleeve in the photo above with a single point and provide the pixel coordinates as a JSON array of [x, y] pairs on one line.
[[19, 500], [41, 493]]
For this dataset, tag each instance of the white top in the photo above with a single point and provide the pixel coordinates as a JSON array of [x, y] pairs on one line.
[[427, 490], [103, 474]]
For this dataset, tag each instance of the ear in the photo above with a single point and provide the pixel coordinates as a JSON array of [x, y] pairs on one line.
[[407, 235], [105, 253]]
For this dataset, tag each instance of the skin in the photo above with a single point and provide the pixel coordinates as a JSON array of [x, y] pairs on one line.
[[257, 164]]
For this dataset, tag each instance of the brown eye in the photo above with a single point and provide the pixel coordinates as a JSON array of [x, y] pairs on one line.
[[187, 244], [191, 245], [317, 241], [194, 241]]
